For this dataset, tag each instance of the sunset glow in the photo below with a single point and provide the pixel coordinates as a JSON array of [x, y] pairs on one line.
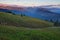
[[30, 2]]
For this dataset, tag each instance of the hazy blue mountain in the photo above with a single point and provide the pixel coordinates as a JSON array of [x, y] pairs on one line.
[[44, 12], [4, 10]]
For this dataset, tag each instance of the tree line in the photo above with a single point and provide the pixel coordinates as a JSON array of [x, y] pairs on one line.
[[56, 23]]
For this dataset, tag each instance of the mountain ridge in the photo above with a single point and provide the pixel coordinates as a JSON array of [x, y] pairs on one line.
[[36, 12]]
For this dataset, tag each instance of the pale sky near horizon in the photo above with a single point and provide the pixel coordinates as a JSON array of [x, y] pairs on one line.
[[30, 2]]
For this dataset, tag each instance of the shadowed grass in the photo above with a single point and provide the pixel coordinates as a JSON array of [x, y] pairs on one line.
[[15, 20]]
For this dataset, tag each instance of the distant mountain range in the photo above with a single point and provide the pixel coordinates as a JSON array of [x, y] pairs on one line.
[[46, 12]]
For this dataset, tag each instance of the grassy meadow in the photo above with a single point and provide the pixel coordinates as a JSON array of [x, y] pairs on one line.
[[17, 33], [15, 27], [24, 21]]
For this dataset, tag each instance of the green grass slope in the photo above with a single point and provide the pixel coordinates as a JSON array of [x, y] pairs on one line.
[[17, 33], [15, 20]]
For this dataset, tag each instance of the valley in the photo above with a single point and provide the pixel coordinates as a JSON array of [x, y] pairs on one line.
[[29, 23]]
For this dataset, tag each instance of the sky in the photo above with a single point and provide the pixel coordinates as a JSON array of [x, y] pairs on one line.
[[30, 2]]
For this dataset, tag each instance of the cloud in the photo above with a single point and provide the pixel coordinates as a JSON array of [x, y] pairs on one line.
[[30, 2]]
